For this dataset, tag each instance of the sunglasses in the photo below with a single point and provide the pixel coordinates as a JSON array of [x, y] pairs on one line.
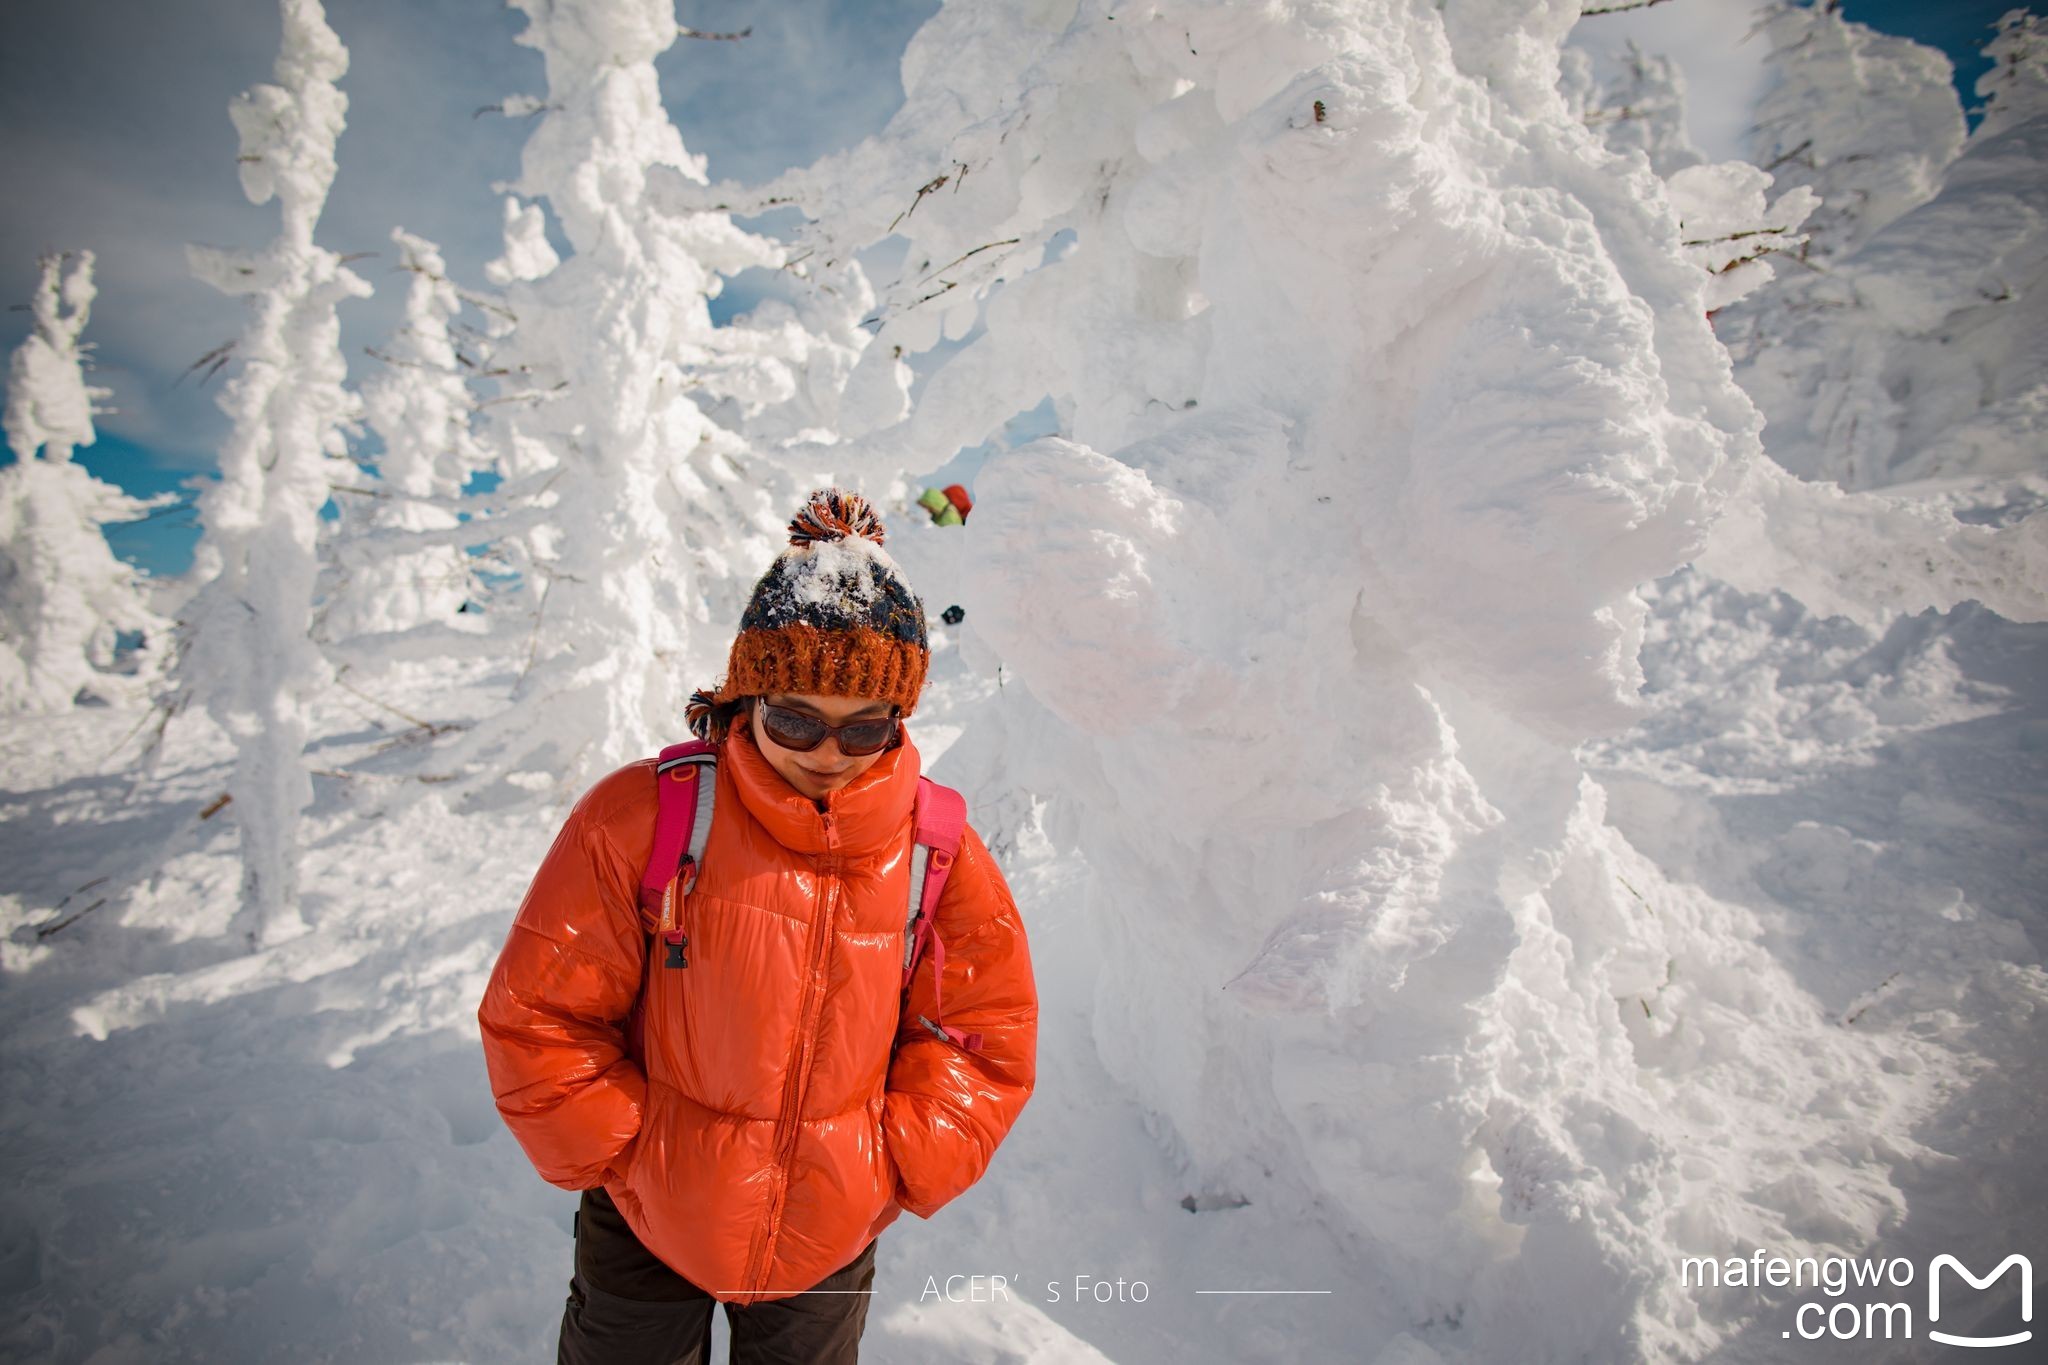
[[795, 730]]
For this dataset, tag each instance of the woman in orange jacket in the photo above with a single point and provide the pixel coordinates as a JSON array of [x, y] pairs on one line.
[[786, 1103]]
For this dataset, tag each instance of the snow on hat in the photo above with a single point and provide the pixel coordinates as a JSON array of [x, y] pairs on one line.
[[832, 617]]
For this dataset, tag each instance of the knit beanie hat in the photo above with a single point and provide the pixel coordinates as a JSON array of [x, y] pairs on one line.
[[832, 617]]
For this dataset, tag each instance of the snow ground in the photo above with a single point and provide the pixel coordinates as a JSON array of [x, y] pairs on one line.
[[293, 1154], [1357, 926]]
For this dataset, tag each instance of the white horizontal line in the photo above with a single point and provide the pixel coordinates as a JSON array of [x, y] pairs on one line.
[[1262, 1291]]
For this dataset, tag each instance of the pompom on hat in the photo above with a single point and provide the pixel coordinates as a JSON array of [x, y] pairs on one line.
[[832, 617]]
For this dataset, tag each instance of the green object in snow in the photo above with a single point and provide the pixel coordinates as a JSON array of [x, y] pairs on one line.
[[935, 501]]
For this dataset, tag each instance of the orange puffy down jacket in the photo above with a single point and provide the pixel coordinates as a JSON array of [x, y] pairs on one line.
[[785, 1114]]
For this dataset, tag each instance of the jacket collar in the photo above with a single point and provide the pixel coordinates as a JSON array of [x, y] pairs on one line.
[[868, 813]]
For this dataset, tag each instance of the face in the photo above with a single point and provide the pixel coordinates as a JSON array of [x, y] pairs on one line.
[[823, 769]]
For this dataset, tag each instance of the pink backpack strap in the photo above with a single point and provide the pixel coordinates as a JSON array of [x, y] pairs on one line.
[[687, 776], [940, 824]]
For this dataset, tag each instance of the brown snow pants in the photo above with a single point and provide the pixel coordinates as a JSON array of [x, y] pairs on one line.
[[626, 1307]]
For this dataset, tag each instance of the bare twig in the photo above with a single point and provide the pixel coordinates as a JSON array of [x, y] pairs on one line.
[[213, 807], [1790, 155], [1734, 236], [1757, 255], [389, 359], [527, 109], [528, 396], [945, 286], [1595, 117], [84, 886], [1617, 9], [170, 709], [533, 637], [431, 727], [46, 930], [140, 721], [212, 361], [1874, 993], [985, 246], [932, 186], [342, 775], [685, 32], [476, 300], [169, 509]]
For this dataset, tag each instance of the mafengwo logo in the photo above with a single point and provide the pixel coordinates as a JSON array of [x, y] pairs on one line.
[[1842, 1318], [1934, 1299]]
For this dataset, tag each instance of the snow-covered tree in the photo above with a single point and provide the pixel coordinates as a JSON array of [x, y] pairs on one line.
[[813, 378], [65, 597], [635, 519], [1918, 354], [1866, 119], [1732, 226], [250, 660], [2015, 89], [50, 406], [390, 559], [1730, 221], [1642, 105], [1381, 385]]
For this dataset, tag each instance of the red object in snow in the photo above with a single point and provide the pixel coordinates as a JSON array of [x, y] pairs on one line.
[[957, 495]]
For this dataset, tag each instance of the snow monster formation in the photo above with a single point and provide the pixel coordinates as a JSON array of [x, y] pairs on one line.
[[1382, 385]]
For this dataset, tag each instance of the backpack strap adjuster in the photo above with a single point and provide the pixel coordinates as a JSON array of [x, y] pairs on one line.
[[682, 828]]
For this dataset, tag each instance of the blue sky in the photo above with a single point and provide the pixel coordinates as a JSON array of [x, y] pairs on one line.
[[114, 129]]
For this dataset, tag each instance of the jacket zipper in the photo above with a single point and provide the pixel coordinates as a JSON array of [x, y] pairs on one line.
[[799, 1074]]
